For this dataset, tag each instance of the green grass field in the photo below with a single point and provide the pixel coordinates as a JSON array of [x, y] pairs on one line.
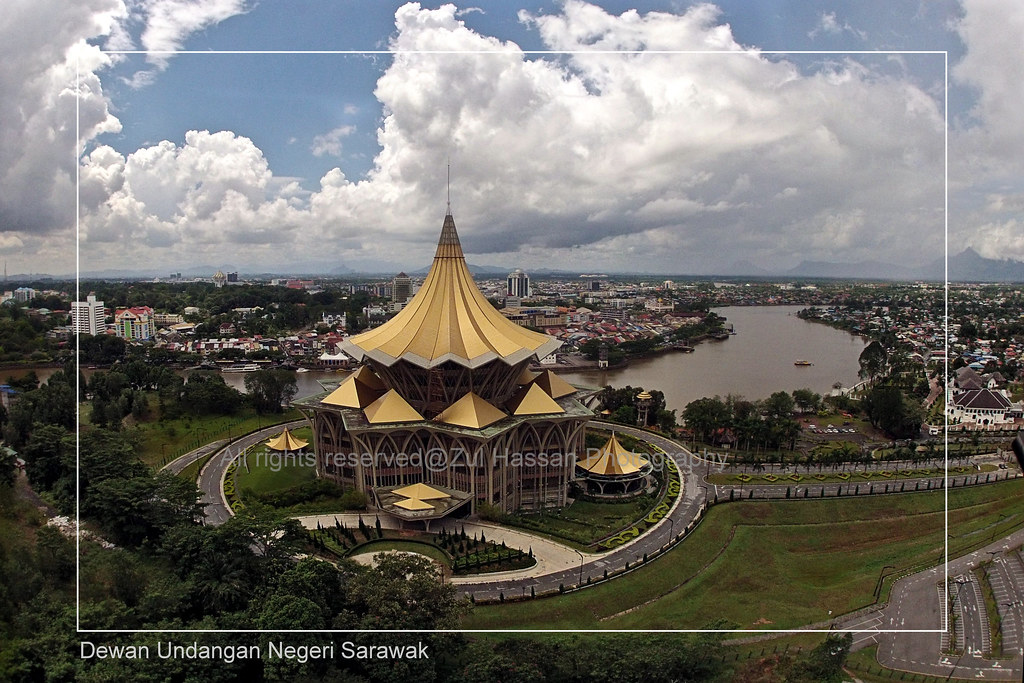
[[385, 545], [269, 472], [777, 565], [163, 440], [584, 521]]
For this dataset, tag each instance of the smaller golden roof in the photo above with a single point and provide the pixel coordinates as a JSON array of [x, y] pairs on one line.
[[613, 460], [368, 377], [553, 385], [527, 376], [391, 407], [421, 491], [532, 400], [470, 411], [644, 395], [286, 442], [413, 504], [361, 389]]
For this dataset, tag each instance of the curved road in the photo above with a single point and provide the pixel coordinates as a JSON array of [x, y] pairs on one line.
[[211, 477], [687, 508]]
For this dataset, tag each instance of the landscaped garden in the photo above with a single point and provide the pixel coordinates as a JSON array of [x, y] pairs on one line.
[[602, 525], [458, 552], [853, 477]]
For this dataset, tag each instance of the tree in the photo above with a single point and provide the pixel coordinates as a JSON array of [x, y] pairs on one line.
[[872, 361], [888, 408], [269, 389], [206, 392], [825, 662], [705, 415], [806, 400]]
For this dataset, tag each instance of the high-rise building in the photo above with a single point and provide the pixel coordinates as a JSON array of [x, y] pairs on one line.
[[518, 284], [87, 317], [233, 277], [401, 288], [444, 409], [24, 294]]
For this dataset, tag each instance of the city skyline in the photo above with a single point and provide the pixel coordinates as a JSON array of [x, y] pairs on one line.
[[612, 161]]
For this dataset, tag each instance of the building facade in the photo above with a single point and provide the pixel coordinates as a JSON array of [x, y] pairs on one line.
[[88, 317], [518, 284], [401, 288], [444, 403], [134, 323]]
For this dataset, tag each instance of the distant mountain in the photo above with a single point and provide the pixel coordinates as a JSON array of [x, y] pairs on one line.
[[970, 266], [863, 270], [744, 268], [486, 271]]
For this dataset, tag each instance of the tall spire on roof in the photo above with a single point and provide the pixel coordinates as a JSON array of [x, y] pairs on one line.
[[449, 211], [449, 320]]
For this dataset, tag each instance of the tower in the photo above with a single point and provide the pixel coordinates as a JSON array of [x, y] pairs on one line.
[[518, 284], [644, 400]]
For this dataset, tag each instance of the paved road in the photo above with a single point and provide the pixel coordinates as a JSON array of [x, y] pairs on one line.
[[554, 571], [211, 477], [917, 602]]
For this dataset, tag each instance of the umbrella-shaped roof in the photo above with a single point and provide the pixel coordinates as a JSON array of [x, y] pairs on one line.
[[285, 441]]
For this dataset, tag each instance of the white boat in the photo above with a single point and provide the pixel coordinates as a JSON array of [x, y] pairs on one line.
[[241, 367], [302, 370]]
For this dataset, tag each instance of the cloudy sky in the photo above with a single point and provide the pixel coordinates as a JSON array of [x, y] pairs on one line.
[[655, 136]]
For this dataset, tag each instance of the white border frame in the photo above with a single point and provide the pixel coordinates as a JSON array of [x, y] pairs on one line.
[[80, 149]]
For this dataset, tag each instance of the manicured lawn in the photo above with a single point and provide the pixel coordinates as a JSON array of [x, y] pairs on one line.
[[777, 565], [385, 545], [270, 472], [584, 521]]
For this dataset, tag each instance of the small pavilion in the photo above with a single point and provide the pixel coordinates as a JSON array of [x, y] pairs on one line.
[[614, 471]]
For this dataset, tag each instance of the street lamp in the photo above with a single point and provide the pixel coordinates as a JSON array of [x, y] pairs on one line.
[[580, 583]]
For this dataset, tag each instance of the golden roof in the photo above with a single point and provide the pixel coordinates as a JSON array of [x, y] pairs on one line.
[[391, 407], [413, 504], [553, 385], [532, 400], [644, 395], [368, 377], [470, 411], [613, 459], [286, 442], [421, 491], [358, 391], [449, 320], [527, 376]]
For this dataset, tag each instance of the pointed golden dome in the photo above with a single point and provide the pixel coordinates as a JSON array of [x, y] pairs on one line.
[[531, 400], [470, 411], [553, 385], [449, 320], [358, 391], [391, 408]]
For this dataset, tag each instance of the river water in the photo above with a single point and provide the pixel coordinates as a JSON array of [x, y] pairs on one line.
[[754, 363]]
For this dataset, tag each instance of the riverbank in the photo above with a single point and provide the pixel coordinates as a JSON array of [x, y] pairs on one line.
[[577, 363]]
